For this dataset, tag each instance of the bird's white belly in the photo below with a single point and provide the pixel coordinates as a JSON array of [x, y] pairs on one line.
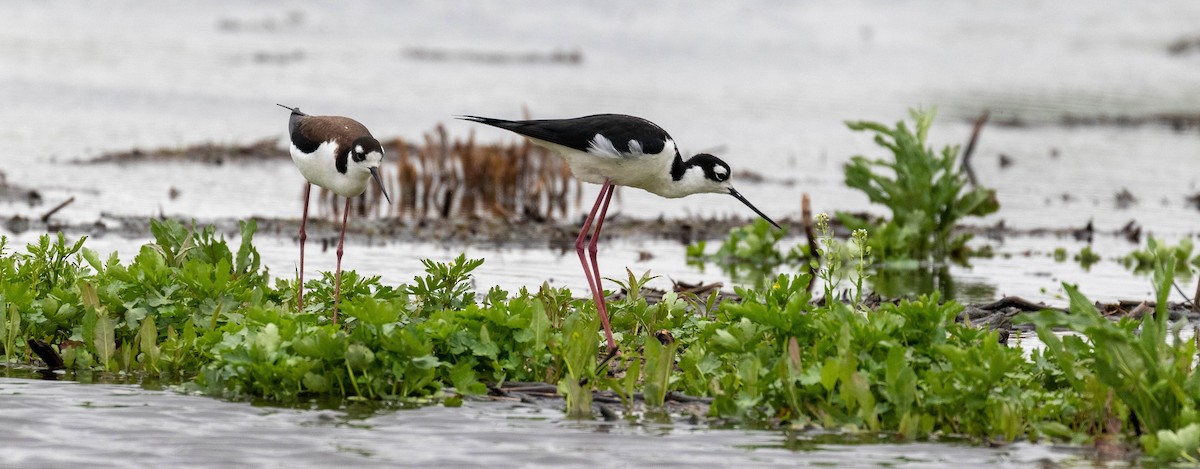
[[647, 172], [622, 173], [320, 168]]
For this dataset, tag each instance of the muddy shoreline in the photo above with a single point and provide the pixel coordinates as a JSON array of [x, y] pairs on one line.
[[520, 233]]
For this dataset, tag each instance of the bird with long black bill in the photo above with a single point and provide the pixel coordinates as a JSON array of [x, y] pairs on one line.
[[619, 150], [339, 154]]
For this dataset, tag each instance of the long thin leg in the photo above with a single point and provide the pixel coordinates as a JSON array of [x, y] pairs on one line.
[[337, 282], [303, 237], [594, 280], [581, 240], [592, 249]]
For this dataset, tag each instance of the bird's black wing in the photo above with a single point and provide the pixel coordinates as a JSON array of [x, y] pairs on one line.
[[623, 135]]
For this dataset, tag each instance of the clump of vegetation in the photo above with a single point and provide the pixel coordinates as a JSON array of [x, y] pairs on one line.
[[189, 306], [926, 191], [1146, 365], [751, 253], [1143, 260]]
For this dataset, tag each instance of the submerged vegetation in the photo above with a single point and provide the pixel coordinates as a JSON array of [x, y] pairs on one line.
[[190, 306]]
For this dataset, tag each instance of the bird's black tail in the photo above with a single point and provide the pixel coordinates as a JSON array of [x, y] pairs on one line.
[[531, 129], [501, 123], [295, 110]]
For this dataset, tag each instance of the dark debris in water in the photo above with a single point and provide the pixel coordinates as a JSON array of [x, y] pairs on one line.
[[208, 153], [1194, 200], [1177, 121], [607, 404], [13, 193], [998, 314], [1184, 46], [291, 20], [1125, 199], [495, 57], [454, 231]]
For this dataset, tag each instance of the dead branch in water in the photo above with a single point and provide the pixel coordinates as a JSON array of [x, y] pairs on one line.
[[966, 159], [810, 232], [47, 215], [1196, 297]]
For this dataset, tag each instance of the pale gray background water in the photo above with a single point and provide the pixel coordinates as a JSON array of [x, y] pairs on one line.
[[766, 84]]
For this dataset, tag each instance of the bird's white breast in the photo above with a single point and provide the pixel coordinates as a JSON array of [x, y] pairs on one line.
[[648, 171], [320, 168]]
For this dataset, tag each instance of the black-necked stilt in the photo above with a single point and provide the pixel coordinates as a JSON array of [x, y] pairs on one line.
[[339, 154], [619, 150]]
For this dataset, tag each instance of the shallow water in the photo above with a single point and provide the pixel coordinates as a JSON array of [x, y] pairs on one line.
[[57, 424], [1022, 267], [765, 84]]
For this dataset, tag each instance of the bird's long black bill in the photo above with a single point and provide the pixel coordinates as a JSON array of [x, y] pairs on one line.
[[738, 196], [375, 174]]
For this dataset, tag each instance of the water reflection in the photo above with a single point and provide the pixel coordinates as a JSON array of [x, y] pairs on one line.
[[888, 280], [107, 422], [919, 279]]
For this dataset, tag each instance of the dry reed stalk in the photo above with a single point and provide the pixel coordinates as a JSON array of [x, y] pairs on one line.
[[458, 177]]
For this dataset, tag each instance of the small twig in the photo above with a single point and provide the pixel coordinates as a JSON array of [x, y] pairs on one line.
[[685, 399], [1140, 310], [1184, 295], [1196, 297], [811, 233], [1017, 302], [47, 215], [697, 288], [966, 159], [538, 388]]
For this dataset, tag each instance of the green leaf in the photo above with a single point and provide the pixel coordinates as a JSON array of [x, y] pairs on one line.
[[358, 356], [104, 342], [426, 362]]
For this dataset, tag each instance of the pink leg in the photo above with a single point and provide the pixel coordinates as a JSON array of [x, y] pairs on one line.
[[592, 274], [303, 237], [592, 249], [337, 287], [581, 240]]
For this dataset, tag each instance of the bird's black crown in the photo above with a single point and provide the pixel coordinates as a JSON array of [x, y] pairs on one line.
[[714, 169], [368, 144]]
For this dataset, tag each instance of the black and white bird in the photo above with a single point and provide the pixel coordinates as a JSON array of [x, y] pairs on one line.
[[620, 150], [339, 154]]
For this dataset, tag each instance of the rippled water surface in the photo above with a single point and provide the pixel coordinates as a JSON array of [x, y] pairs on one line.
[[61, 424]]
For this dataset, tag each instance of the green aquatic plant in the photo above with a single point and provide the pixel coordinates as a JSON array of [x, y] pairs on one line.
[[751, 253], [1145, 364], [1087, 258], [579, 334], [187, 305], [1143, 260], [926, 191]]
